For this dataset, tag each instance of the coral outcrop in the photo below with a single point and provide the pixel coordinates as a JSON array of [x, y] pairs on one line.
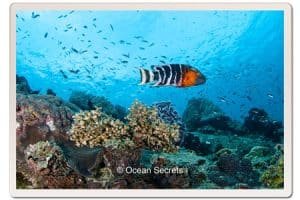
[[258, 122], [150, 131], [204, 116], [192, 142], [232, 170], [40, 117], [46, 167], [22, 86], [260, 157], [95, 128]]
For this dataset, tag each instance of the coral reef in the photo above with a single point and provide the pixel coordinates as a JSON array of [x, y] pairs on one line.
[[150, 131], [89, 142], [95, 128], [259, 122], [204, 116], [89, 102], [47, 168], [40, 117]]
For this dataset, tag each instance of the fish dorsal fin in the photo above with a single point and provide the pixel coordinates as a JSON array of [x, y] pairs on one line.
[[154, 67]]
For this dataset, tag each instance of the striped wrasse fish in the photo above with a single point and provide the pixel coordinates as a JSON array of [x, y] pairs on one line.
[[179, 75]]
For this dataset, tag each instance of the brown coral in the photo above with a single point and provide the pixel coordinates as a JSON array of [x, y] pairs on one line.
[[95, 128], [150, 131]]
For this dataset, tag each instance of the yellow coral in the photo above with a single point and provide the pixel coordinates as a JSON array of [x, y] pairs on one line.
[[144, 130], [94, 128], [273, 177], [150, 131]]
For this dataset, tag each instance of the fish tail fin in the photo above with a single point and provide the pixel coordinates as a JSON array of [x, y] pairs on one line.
[[146, 76]]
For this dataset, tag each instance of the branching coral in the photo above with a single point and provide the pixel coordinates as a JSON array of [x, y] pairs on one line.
[[150, 131], [95, 128], [144, 129]]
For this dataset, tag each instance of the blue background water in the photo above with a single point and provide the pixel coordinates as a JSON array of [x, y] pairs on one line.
[[240, 53]]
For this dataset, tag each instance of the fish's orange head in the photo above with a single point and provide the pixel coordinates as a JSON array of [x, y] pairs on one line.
[[192, 77]]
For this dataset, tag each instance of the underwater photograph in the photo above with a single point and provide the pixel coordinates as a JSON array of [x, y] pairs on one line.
[[149, 99]]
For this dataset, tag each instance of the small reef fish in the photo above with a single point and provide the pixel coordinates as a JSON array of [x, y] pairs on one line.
[[111, 27], [179, 75], [33, 15]]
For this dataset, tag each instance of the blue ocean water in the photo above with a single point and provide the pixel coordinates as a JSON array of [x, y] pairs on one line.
[[100, 52]]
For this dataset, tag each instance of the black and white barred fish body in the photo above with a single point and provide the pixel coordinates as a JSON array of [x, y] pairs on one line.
[[179, 75]]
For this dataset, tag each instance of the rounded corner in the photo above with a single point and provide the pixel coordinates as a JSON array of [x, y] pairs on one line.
[[13, 6], [289, 193], [13, 193], [288, 6]]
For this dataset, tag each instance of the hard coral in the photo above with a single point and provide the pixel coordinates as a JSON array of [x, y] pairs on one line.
[[150, 131], [273, 177], [46, 167], [95, 128], [144, 130]]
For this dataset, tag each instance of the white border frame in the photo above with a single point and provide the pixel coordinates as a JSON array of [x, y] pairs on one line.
[[174, 193]]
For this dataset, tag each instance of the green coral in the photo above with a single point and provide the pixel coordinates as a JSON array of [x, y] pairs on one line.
[[144, 129], [273, 177]]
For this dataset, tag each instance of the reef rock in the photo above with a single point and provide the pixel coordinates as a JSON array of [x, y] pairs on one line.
[[258, 122], [40, 117], [193, 142], [230, 169], [89, 102], [46, 167], [204, 116]]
